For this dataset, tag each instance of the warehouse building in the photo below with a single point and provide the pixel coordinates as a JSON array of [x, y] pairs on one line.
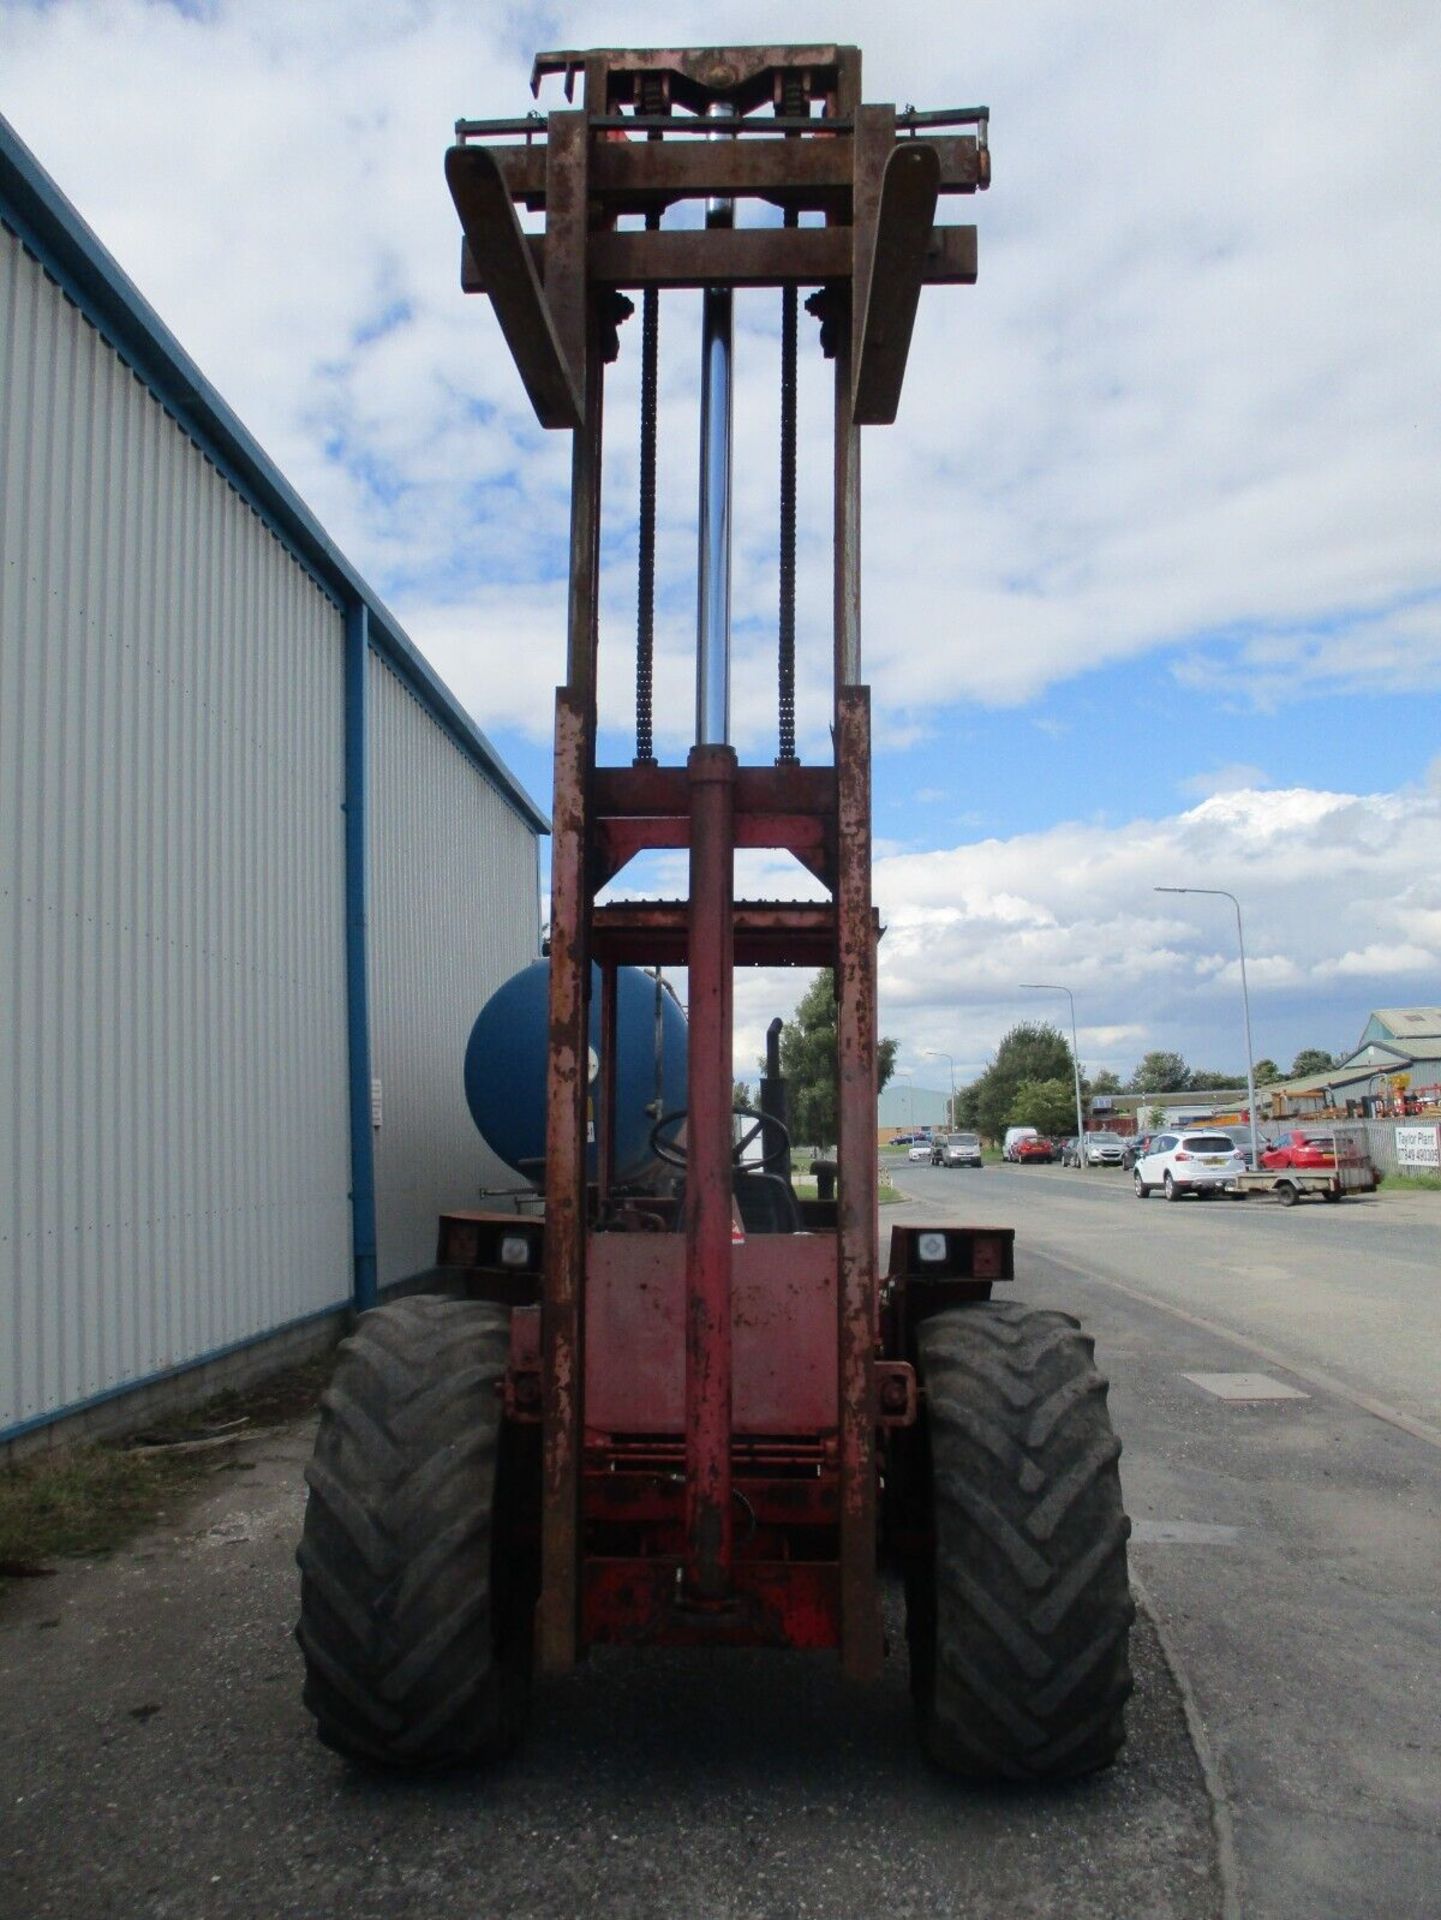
[[1394, 1069], [258, 872]]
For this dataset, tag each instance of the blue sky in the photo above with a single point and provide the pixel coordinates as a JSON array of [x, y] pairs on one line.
[[1152, 587]]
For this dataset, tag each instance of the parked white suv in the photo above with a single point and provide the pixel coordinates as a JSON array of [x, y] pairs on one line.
[[1180, 1163]]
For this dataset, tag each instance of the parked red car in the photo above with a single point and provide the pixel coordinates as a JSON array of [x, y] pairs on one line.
[[1301, 1149], [1038, 1148]]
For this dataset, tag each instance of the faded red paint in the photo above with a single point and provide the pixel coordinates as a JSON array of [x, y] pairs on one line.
[[639, 1602], [857, 1315], [783, 1322], [709, 1520], [561, 1403]]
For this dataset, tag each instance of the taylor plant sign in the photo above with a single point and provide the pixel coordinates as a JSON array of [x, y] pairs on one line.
[[1418, 1146]]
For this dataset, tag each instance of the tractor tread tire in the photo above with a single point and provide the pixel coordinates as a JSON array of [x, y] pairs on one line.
[[1019, 1627], [397, 1621]]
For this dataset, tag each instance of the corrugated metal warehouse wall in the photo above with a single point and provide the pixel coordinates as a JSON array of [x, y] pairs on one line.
[[179, 901], [449, 863], [171, 888]]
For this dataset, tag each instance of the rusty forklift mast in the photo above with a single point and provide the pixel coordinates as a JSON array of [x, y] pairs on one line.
[[699, 1413]]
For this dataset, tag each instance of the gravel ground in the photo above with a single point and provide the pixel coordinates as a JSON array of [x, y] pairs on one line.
[[158, 1765]]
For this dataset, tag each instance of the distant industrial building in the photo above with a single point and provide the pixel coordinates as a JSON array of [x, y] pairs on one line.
[[902, 1107], [258, 870], [1394, 1067], [1393, 1070]]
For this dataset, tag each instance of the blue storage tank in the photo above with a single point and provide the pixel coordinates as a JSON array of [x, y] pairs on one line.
[[505, 1064]]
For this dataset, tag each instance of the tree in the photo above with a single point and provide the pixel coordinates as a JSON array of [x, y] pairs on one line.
[[1265, 1073], [742, 1096], [886, 1052], [1104, 1082], [1047, 1105], [1207, 1082], [1311, 1060], [1161, 1073], [808, 1063], [1028, 1052]]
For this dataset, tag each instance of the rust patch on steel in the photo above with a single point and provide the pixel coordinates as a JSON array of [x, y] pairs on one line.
[[566, 1088], [811, 175], [708, 1206], [633, 1602], [857, 1320], [783, 1320], [566, 242]]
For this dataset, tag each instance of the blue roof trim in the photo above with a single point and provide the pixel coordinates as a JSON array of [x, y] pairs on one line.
[[165, 1374], [50, 227]]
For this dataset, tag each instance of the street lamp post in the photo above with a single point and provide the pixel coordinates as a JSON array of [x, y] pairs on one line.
[[1220, 893], [939, 1053], [1046, 986]]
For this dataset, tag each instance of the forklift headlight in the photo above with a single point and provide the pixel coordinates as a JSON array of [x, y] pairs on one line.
[[931, 1247], [514, 1250]]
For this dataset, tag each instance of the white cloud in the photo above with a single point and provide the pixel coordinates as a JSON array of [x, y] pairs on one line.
[[1186, 415], [1263, 970], [1381, 961], [1236, 777], [1185, 398], [1317, 873]]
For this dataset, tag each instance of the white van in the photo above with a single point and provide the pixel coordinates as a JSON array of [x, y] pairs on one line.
[[1013, 1136]]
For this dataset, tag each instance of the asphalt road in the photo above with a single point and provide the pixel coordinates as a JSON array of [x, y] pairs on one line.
[[1291, 1547], [158, 1765], [1351, 1289], [1283, 1757]]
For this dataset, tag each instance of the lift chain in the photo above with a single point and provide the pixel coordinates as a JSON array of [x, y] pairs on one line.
[[652, 101], [645, 588], [787, 651], [794, 102]]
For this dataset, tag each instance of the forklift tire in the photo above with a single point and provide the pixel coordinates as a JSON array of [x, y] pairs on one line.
[[414, 1609], [1018, 1625]]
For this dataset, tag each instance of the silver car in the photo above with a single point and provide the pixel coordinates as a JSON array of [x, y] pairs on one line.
[[956, 1150], [1104, 1149], [1180, 1163]]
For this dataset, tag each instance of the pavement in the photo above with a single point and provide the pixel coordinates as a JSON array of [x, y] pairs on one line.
[[1289, 1546], [158, 1764], [1283, 1758]]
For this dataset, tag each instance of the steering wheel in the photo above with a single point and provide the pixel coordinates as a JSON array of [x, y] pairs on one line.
[[665, 1147]]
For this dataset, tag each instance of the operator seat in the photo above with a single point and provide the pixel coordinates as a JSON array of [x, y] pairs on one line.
[[766, 1202]]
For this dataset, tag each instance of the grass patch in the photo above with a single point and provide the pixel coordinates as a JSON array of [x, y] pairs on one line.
[[805, 1189], [84, 1501], [289, 1395], [88, 1500], [1412, 1182]]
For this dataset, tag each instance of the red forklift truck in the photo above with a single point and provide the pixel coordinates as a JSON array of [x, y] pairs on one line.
[[695, 1410]]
